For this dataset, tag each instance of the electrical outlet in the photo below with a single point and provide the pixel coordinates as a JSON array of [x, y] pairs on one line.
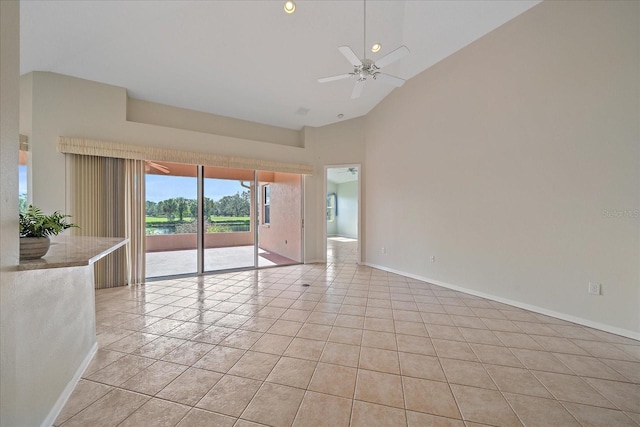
[[594, 288], [383, 250], [433, 258]]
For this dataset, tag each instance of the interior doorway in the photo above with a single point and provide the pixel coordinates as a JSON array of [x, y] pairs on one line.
[[343, 214]]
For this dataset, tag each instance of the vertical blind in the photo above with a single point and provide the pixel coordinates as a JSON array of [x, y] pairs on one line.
[[96, 199]]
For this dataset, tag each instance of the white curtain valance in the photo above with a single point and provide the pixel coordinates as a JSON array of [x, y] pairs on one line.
[[90, 147]]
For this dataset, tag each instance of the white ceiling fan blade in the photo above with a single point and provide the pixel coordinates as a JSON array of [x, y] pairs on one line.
[[357, 89], [351, 57], [392, 80], [334, 78], [392, 57]]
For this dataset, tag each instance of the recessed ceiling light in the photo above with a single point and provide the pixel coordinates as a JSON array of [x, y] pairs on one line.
[[340, 115], [289, 6], [376, 47]]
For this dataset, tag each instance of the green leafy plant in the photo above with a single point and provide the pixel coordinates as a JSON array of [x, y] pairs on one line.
[[33, 223]]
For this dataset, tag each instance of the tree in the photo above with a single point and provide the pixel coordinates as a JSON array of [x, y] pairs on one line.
[[170, 206], [181, 207]]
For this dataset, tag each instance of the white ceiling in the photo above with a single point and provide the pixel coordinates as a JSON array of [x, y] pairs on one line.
[[248, 59], [342, 175]]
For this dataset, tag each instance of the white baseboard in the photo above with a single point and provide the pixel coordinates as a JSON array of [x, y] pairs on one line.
[[541, 310], [71, 385], [315, 261]]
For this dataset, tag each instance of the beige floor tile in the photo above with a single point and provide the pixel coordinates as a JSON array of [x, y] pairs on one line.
[[484, 406], [156, 413], [467, 373], [592, 416], [625, 396], [292, 372], [320, 410], [345, 335], [367, 414], [154, 378], [378, 339], [188, 353], [109, 410], [587, 366], [428, 396], [159, 347], [314, 332], [220, 359], [571, 389], [271, 343], [190, 387], [539, 412], [200, 418], [376, 359], [421, 366], [334, 379], [230, 396], [630, 370], [305, 349], [378, 324], [378, 387], [558, 345], [341, 354], [454, 350], [541, 361], [349, 321], [213, 334], [85, 393], [517, 380], [419, 419], [101, 359], [242, 339], [311, 340], [495, 355], [275, 405], [285, 327], [121, 370], [254, 365], [413, 344], [445, 332]]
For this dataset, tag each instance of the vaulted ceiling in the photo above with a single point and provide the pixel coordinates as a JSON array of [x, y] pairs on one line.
[[249, 59]]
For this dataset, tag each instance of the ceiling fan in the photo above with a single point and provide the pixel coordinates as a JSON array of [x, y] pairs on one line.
[[153, 165], [365, 68]]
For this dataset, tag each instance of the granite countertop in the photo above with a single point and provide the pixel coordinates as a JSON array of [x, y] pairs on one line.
[[73, 251]]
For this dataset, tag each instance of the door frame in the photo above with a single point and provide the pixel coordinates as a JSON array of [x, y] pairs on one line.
[[324, 208]]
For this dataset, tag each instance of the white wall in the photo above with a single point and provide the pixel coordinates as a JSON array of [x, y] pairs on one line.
[[67, 106], [11, 408], [332, 226], [347, 218], [516, 163]]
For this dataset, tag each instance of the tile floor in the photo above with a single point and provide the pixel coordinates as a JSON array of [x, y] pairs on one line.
[[357, 347]]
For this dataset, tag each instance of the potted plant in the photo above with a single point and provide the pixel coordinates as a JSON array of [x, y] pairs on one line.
[[35, 229]]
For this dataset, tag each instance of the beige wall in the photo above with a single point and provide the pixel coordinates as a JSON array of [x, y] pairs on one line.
[[63, 105], [283, 235], [12, 408], [516, 163]]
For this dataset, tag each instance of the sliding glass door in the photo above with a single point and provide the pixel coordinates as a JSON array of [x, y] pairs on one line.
[[204, 219], [229, 210]]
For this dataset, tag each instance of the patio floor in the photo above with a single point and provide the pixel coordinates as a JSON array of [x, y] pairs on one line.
[[185, 262]]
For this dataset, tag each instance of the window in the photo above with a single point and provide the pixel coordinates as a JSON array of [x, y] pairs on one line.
[[331, 207], [266, 205]]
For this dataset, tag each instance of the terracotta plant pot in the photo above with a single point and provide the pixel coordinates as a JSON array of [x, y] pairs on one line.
[[34, 247]]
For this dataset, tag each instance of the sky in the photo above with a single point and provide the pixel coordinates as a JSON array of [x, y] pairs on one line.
[[163, 187], [22, 179]]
